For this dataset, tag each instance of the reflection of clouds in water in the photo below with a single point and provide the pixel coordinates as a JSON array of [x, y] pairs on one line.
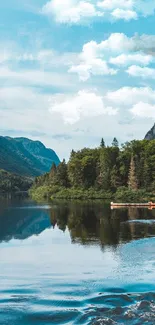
[[141, 221]]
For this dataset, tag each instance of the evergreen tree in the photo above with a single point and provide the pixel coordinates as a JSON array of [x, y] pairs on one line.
[[75, 172], [115, 178], [103, 180], [88, 165], [132, 179], [72, 153], [102, 144], [147, 177], [62, 174], [115, 143], [52, 174], [53, 170]]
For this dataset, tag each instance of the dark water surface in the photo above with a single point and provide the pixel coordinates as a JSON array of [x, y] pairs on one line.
[[76, 263]]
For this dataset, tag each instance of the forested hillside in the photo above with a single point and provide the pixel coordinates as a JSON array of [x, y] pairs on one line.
[[102, 172], [25, 157], [13, 183]]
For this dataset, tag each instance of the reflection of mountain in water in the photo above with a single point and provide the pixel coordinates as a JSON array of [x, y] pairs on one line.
[[21, 223], [88, 224]]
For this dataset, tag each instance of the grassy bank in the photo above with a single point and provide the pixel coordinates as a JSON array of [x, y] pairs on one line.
[[123, 194], [45, 192]]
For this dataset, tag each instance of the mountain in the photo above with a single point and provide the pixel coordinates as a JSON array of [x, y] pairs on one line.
[[150, 134], [25, 157]]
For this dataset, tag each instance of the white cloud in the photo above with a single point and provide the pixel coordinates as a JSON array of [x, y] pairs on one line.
[[118, 42], [124, 14], [92, 67], [71, 11], [143, 110], [114, 4], [83, 104], [21, 98], [35, 77], [136, 71], [75, 12], [127, 59], [94, 58], [140, 102], [127, 96]]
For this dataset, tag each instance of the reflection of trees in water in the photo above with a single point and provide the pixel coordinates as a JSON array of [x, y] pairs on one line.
[[90, 223], [141, 229], [59, 216], [82, 223]]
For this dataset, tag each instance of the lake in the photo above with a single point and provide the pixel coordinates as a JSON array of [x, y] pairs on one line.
[[76, 263]]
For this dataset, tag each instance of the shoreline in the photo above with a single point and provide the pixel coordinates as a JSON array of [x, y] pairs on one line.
[[122, 195]]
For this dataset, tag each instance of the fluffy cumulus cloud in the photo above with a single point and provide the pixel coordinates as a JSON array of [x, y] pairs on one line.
[[81, 105], [139, 102], [136, 71], [71, 11], [128, 96], [133, 102], [118, 42], [118, 50], [90, 67], [75, 11], [144, 110], [124, 14], [114, 4], [126, 59]]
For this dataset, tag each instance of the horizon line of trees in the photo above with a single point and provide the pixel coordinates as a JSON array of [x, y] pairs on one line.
[[106, 168]]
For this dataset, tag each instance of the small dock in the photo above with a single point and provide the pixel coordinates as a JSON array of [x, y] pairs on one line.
[[149, 205]]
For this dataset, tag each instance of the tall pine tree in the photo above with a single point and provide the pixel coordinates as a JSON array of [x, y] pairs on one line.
[[62, 174], [132, 179], [115, 143], [102, 144]]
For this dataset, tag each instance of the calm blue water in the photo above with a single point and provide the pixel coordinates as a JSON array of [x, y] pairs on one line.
[[74, 263]]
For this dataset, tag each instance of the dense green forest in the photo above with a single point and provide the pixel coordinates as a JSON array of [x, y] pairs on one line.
[[13, 183], [125, 172]]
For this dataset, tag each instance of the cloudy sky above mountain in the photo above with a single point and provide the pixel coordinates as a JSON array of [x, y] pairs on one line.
[[74, 71]]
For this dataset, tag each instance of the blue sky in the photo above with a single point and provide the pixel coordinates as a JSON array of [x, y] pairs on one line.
[[74, 71]]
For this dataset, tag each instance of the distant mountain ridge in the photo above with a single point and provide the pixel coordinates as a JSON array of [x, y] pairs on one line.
[[26, 157], [150, 134]]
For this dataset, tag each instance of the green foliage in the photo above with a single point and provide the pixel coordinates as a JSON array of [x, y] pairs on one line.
[[123, 173], [13, 183], [62, 178], [124, 194], [41, 192], [82, 194]]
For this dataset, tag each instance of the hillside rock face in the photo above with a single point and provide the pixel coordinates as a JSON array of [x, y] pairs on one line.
[[25, 157], [150, 134]]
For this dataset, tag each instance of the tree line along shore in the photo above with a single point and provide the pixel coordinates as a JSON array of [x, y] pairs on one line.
[[123, 173]]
